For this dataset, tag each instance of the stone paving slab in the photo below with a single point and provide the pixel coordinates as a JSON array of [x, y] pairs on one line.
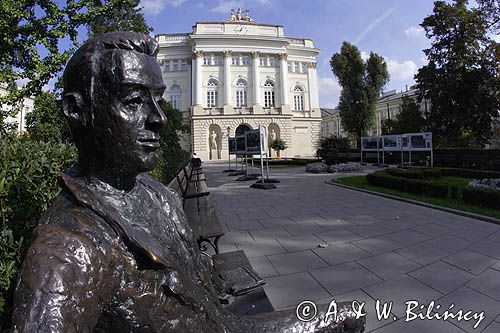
[[379, 248]]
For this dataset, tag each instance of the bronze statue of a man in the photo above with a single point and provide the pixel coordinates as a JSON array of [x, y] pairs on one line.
[[114, 253]]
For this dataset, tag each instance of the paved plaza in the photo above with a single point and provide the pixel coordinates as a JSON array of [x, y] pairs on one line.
[[375, 249]]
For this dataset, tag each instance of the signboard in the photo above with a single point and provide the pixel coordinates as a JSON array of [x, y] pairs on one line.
[[232, 146], [252, 142], [371, 143], [240, 145], [392, 142], [420, 141], [263, 140]]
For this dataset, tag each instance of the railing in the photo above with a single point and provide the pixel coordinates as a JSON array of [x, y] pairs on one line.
[[213, 111], [272, 110], [243, 110], [172, 38]]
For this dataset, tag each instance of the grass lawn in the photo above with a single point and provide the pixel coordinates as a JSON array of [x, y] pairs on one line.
[[458, 204]]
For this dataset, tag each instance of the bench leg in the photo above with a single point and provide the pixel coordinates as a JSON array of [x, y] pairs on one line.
[[204, 242]]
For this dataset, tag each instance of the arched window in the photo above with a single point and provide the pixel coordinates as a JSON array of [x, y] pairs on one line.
[[212, 86], [269, 100], [241, 93], [298, 99], [175, 96]]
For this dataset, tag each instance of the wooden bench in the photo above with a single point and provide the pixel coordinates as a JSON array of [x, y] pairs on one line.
[[190, 184], [242, 291]]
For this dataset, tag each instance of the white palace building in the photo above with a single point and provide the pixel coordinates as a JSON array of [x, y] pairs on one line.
[[231, 76]]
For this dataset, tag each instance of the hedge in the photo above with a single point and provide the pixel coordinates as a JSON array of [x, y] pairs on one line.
[[415, 186], [469, 173], [28, 182], [481, 197], [416, 173]]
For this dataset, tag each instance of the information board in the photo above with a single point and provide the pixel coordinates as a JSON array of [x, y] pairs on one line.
[[252, 142], [240, 145], [392, 142], [371, 143], [232, 146], [420, 141]]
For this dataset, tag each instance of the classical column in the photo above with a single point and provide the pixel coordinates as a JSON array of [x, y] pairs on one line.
[[285, 107], [312, 79], [198, 58], [191, 77], [227, 82], [257, 104]]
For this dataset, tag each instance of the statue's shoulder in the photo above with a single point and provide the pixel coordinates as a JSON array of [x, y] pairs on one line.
[[167, 193]]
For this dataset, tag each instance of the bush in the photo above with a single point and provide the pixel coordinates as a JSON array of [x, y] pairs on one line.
[[416, 173], [481, 197], [331, 147], [488, 159], [469, 173], [28, 183], [415, 186]]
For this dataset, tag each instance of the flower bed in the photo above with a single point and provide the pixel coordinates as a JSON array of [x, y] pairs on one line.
[[345, 167], [491, 184]]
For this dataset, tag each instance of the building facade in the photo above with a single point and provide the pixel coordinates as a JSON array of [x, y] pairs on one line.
[[231, 76], [25, 107], [387, 107]]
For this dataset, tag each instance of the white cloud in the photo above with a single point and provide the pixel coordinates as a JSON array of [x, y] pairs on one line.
[[415, 32], [496, 38], [328, 85], [225, 6], [401, 70], [373, 25], [22, 82], [365, 55], [154, 7], [177, 3]]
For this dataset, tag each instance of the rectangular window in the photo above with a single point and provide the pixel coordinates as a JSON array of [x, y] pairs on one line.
[[272, 62], [289, 67], [211, 98], [268, 99], [296, 67], [184, 65], [235, 61], [175, 65], [206, 60], [175, 101], [298, 103], [245, 60], [167, 65], [262, 61], [241, 98], [217, 60]]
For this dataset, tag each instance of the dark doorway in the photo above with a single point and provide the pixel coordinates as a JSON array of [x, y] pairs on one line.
[[240, 130]]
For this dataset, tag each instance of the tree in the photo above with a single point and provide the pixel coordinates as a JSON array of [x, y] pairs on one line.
[[330, 147], [33, 32], [46, 122], [462, 77], [278, 145], [408, 120], [120, 16], [361, 83], [172, 156]]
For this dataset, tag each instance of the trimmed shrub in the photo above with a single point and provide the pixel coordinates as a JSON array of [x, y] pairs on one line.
[[416, 173], [28, 183], [454, 191], [481, 197], [331, 148], [469, 173], [414, 186]]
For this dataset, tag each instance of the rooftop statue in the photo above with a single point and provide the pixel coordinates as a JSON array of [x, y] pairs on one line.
[[114, 253], [240, 16]]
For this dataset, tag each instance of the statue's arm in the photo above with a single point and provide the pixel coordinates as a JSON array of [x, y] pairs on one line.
[[63, 283]]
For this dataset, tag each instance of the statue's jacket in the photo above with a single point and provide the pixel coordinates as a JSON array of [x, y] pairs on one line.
[[105, 260]]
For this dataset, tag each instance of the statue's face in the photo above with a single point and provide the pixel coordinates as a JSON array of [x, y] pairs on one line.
[[128, 116]]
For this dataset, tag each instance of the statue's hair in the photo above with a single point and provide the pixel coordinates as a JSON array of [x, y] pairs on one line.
[[84, 66], [90, 65]]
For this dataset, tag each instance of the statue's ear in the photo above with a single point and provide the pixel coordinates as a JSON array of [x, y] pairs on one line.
[[72, 106]]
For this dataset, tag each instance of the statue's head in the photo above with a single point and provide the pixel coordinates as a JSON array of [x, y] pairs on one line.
[[113, 89]]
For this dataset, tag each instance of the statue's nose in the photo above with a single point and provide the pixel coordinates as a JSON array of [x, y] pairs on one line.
[[157, 116]]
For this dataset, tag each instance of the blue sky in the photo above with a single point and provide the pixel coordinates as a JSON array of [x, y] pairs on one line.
[[387, 27]]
